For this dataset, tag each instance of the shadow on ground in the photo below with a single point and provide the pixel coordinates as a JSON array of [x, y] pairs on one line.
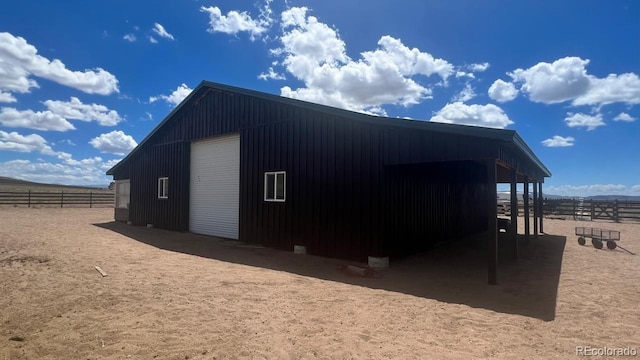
[[455, 273]]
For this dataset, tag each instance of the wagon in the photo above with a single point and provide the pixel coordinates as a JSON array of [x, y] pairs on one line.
[[598, 236]]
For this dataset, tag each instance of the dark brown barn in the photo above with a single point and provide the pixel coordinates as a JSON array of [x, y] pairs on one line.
[[241, 164]]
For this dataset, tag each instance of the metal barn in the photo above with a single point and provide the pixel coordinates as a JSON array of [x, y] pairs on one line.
[[240, 164]]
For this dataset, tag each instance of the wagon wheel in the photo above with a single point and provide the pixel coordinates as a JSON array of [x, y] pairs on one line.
[[581, 240], [596, 243], [611, 245]]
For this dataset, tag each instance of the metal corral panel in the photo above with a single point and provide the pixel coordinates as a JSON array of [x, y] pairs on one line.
[[215, 187]]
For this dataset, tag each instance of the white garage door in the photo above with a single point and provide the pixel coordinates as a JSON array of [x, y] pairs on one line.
[[215, 187]]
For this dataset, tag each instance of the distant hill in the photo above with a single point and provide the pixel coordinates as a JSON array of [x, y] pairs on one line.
[[505, 195], [11, 184]]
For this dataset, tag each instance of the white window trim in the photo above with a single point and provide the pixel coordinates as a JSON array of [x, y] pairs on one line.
[[275, 186], [163, 190], [118, 195]]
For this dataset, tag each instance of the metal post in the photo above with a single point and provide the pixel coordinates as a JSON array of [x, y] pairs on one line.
[[514, 213], [61, 198], [526, 209], [541, 206], [90, 199], [29, 199], [535, 208], [615, 212], [492, 222]]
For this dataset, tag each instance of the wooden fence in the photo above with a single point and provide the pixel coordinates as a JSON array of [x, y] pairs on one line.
[[581, 209], [62, 199]]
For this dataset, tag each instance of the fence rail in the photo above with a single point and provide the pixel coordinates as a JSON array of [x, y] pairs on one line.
[[580, 209], [33, 198]]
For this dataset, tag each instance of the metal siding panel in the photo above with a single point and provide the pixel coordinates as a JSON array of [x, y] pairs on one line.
[[215, 187]]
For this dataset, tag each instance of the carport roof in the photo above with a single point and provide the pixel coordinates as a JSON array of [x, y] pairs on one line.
[[506, 136]]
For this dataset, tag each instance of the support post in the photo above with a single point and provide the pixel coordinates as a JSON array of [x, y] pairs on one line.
[[90, 199], [492, 222], [61, 198], [616, 216], [514, 213], [526, 209], [541, 207], [535, 208], [29, 199]]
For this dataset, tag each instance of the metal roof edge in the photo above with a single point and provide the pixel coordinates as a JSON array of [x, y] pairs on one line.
[[519, 142], [160, 124]]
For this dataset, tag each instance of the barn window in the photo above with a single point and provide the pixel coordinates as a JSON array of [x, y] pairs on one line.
[[122, 194], [274, 186], [163, 188]]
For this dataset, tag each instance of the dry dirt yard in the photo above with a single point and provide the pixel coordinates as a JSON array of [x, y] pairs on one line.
[[170, 295]]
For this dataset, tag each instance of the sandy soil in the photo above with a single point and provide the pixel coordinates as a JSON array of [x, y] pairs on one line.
[[182, 296]]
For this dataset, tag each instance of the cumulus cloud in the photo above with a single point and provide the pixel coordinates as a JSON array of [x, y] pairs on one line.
[[152, 40], [235, 22], [175, 97], [14, 141], [130, 37], [115, 142], [624, 117], [271, 74], [76, 110], [466, 94], [502, 91], [37, 120], [161, 31], [558, 141], [478, 67], [477, 115], [567, 79], [20, 61], [314, 53], [583, 120], [6, 97]]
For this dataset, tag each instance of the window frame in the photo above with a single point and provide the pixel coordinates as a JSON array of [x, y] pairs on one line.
[[163, 187], [275, 186], [119, 194]]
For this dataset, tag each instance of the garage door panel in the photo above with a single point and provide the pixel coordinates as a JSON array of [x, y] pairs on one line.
[[215, 187]]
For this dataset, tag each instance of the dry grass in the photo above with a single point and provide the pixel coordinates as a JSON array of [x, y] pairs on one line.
[[182, 296]]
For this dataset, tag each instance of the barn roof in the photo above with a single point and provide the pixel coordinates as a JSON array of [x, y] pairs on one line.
[[509, 137]]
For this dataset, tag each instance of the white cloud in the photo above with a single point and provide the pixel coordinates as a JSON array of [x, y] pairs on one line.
[[115, 142], [583, 120], [558, 141], [466, 94], [20, 61], [271, 75], [130, 37], [614, 88], [478, 67], [6, 97], [314, 53], [567, 79], [635, 188], [624, 117], [175, 97], [70, 172], [14, 141], [76, 110], [502, 91], [562, 80], [162, 32], [235, 22], [152, 40], [588, 190], [477, 115], [40, 120]]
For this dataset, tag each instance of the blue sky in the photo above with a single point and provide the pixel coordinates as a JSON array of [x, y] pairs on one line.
[[82, 82]]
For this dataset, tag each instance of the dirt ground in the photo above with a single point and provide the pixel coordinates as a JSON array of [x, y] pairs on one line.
[[170, 295]]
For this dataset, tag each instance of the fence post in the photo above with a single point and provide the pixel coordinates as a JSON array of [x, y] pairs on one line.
[[593, 209], [29, 199], [573, 203], [90, 199], [61, 198], [615, 212]]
